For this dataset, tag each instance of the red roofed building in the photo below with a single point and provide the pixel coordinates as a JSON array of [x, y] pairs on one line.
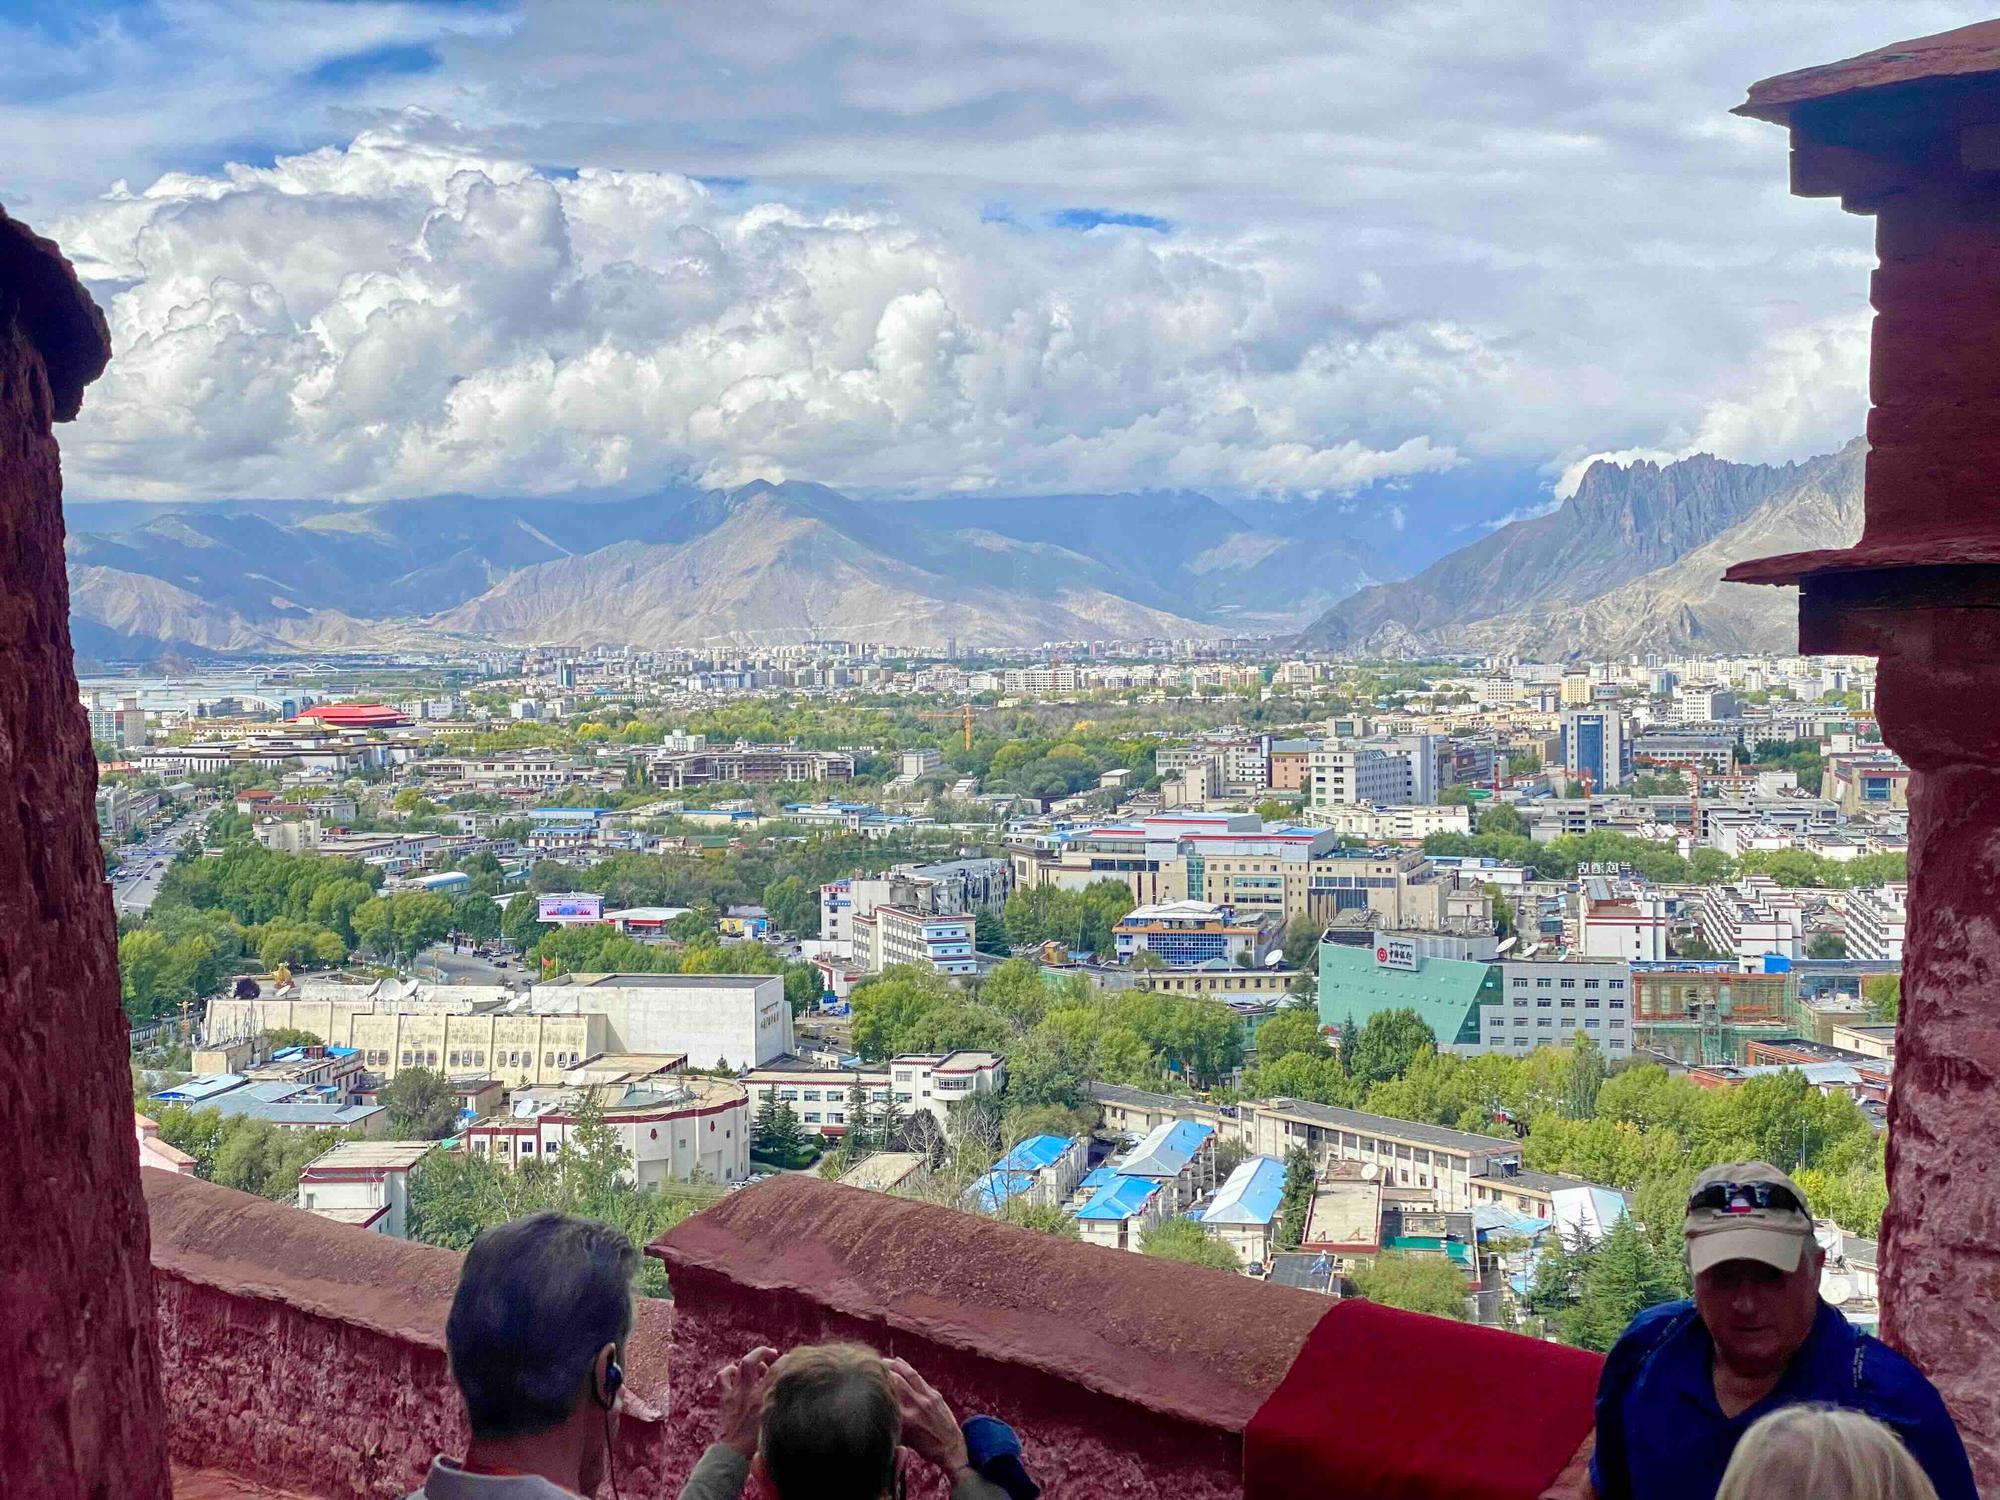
[[355, 715]]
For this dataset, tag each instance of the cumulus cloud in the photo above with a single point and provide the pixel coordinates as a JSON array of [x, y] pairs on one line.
[[907, 246], [406, 316]]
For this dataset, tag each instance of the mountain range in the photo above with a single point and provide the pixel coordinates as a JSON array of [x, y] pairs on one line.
[[759, 565], [1631, 561]]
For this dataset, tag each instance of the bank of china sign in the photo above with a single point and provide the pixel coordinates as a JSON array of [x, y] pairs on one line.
[[1396, 953]]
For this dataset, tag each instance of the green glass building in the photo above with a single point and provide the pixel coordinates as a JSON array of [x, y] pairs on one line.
[[1359, 982]]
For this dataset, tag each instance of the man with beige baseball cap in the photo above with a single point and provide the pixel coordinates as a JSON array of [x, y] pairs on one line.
[[1687, 1379]]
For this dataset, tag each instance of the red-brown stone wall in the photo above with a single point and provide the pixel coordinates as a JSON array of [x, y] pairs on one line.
[[1124, 1375], [310, 1356], [80, 1409]]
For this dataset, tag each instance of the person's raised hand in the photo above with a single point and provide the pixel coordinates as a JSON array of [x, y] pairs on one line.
[[929, 1428], [742, 1405]]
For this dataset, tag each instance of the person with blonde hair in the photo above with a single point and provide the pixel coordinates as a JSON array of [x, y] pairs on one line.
[[1823, 1453], [829, 1422]]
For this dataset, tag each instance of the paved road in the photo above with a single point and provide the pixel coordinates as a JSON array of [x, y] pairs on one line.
[[137, 881], [464, 968]]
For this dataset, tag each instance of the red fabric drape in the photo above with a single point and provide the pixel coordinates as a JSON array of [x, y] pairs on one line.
[[1390, 1405]]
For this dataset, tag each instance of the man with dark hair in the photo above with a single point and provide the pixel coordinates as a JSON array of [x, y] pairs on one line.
[[536, 1334], [1688, 1379], [827, 1421]]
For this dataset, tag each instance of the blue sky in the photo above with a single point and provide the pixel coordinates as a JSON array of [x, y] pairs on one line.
[[384, 247]]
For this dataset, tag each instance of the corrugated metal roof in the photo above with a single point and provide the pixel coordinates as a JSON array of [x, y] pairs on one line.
[[1167, 1149], [1120, 1198], [1034, 1153], [989, 1193], [1251, 1195]]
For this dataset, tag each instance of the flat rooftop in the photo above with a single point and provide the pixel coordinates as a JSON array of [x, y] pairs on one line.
[[1383, 1125], [350, 1155], [1345, 1212], [664, 981]]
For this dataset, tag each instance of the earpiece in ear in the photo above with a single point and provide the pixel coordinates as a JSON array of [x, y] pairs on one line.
[[614, 1377]]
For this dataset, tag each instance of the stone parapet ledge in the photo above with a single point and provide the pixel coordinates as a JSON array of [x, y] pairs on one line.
[[1125, 1375], [309, 1356]]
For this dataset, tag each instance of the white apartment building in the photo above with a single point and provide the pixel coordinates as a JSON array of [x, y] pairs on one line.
[[1621, 920], [1406, 1153], [927, 1082], [1361, 774], [1876, 919], [822, 1098], [1554, 1002], [1409, 824], [891, 935], [1753, 918], [1703, 703], [676, 1128], [363, 1183]]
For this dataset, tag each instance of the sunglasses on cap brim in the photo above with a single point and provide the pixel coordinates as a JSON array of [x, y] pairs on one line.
[[1744, 1198]]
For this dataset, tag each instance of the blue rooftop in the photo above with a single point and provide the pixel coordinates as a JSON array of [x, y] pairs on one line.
[[1034, 1153], [990, 1193], [1120, 1198], [1096, 1177], [1251, 1195], [207, 1086], [1167, 1149]]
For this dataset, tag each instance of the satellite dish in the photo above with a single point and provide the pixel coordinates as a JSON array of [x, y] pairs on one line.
[[1274, 959], [1369, 1172]]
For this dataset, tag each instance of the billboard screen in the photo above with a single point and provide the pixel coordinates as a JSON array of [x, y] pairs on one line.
[[572, 908]]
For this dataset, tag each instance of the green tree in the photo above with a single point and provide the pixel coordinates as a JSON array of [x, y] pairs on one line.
[[1882, 992], [1295, 1203], [1289, 1032], [1416, 1283], [777, 1136], [791, 907], [990, 931], [1585, 1076], [1045, 1070], [521, 923], [477, 916], [278, 1038], [1503, 819], [1389, 1043], [1619, 1279], [1176, 1238], [422, 1105], [1826, 945], [1302, 936]]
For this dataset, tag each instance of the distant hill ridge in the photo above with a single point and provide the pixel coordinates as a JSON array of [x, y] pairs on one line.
[[1631, 561], [758, 565]]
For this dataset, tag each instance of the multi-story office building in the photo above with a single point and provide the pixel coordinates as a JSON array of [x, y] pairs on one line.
[[1363, 773], [1392, 972], [1597, 744], [1186, 934], [1708, 1011], [1554, 1002], [755, 764], [891, 935], [672, 1127]]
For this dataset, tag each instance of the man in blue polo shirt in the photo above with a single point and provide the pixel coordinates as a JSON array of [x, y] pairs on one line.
[[1687, 1379]]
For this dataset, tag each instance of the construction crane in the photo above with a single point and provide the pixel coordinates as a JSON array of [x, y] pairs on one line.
[[962, 714]]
